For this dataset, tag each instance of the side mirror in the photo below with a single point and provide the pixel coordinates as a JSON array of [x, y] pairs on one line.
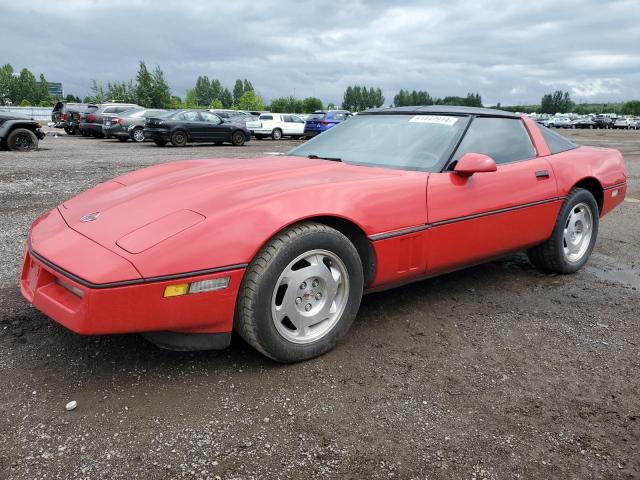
[[471, 163]]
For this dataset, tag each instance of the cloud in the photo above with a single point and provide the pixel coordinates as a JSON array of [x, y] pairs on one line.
[[509, 52]]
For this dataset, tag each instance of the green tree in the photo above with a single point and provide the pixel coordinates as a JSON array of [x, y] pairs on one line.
[[226, 98], [144, 85], [72, 99], [250, 101], [191, 99], [238, 91], [124, 92], [160, 91], [311, 104], [202, 90], [43, 90], [247, 86], [97, 93], [27, 87], [556, 102], [358, 98], [25, 103], [6, 83], [631, 108]]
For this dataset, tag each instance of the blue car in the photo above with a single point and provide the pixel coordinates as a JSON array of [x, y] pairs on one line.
[[320, 121]]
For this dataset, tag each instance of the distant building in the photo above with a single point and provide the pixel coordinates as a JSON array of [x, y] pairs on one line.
[[55, 89]]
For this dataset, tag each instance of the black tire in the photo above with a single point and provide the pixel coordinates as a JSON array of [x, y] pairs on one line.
[[137, 135], [253, 319], [238, 138], [22, 140], [123, 139], [179, 138], [160, 143], [550, 255], [276, 134], [70, 130]]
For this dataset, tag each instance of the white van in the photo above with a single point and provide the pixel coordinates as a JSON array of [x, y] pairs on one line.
[[276, 126]]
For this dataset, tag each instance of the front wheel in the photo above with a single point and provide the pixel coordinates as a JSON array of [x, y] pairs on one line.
[[573, 237], [238, 139], [22, 140], [300, 294]]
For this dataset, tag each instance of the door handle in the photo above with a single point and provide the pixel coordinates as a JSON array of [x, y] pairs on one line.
[[542, 174]]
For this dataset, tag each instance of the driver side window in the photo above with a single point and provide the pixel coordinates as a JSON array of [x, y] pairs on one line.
[[503, 139]]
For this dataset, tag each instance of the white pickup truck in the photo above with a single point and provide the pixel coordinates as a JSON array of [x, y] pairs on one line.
[[276, 126]]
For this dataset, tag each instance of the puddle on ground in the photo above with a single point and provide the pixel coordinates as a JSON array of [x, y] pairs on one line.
[[629, 277]]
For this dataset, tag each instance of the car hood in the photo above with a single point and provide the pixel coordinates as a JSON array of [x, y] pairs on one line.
[[138, 210]]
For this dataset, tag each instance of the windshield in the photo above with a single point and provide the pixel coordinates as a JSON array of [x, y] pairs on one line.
[[407, 142]]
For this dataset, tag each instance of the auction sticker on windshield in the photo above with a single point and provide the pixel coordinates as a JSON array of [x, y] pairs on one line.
[[439, 119]]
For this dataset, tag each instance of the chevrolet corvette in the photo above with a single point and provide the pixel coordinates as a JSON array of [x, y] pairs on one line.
[[281, 249]]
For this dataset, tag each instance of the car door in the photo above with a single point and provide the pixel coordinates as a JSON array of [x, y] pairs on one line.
[[194, 125], [491, 213], [297, 125], [216, 129]]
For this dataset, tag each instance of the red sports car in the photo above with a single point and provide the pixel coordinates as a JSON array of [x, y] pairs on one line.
[[281, 249]]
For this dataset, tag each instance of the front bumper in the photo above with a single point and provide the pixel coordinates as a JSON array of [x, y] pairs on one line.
[[72, 280], [40, 133]]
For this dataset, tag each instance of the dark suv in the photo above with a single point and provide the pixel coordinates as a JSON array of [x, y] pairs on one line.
[[92, 124], [602, 121], [65, 115], [19, 132]]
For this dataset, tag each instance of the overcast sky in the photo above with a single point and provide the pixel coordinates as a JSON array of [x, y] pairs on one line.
[[510, 52]]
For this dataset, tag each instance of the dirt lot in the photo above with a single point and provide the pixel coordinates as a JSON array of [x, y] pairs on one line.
[[493, 372]]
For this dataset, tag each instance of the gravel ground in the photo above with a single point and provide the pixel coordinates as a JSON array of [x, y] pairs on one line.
[[493, 372]]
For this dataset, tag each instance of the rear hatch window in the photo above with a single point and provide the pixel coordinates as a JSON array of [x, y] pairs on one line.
[[315, 117]]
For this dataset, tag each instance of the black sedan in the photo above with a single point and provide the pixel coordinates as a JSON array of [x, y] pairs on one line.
[[183, 126]]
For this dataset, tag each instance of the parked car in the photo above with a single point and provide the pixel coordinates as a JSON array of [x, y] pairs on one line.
[[64, 116], [93, 120], [561, 122], [276, 126], [544, 121], [19, 132], [624, 122], [128, 124], [80, 119], [635, 123], [184, 126], [280, 249], [603, 121], [321, 121], [583, 122]]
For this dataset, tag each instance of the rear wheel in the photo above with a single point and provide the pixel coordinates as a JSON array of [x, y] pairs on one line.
[[276, 134], [179, 139], [238, 138], [70, 130], [300, 293], [137, 135], [160, 143], [22, 140], [573, 237]]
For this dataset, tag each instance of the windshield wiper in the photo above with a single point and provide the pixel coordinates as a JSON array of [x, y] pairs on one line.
[[333, 159]]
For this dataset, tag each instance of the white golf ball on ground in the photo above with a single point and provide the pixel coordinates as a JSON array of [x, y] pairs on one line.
[[71, 405]]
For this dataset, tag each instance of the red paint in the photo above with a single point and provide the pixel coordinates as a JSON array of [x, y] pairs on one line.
[[202, 214]]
